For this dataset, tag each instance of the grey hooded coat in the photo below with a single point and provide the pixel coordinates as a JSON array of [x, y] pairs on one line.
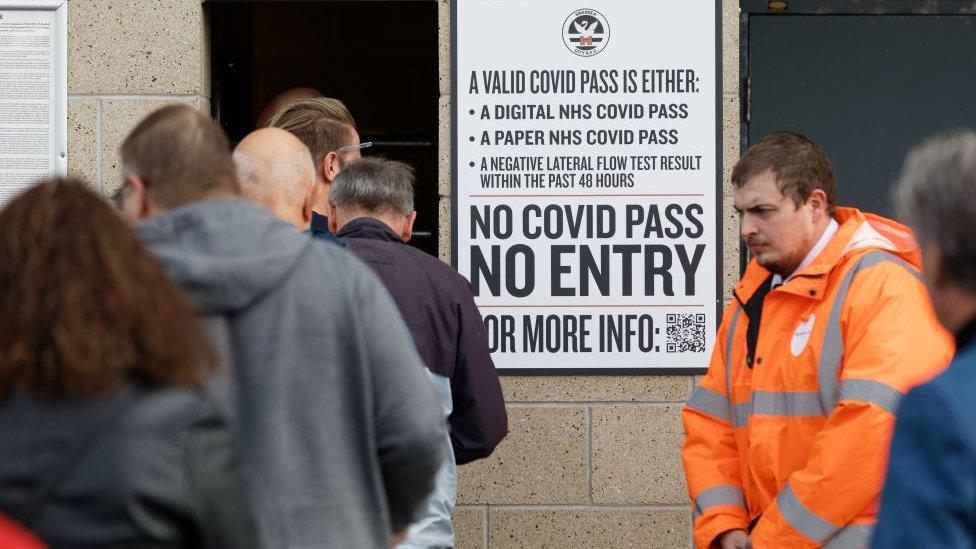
[[339, 428]]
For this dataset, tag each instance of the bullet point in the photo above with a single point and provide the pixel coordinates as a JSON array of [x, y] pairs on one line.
[[471, 111], [471, 139], [471, 164]]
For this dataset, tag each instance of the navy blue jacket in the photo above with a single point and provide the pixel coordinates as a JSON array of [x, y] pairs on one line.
[[320, 229], [438, 306], [929, 497]]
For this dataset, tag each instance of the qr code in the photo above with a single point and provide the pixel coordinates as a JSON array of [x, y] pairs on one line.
[[686, 333]]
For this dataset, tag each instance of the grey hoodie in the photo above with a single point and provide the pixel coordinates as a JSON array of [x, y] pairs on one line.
[[339, 427]]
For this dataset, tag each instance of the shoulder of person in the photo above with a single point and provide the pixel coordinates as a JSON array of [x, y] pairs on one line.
[[169, 410], [955, 385], [335, 250], [444, 272], [334, 263], [343, 271], [945, 404], [881, 275]]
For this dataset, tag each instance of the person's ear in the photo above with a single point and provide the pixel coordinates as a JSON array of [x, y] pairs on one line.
[[333, 218], [818, 203], [330, 166], [408, 226], [135, 199]]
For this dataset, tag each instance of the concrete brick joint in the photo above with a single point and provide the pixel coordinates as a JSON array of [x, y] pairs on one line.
[[589, 462]]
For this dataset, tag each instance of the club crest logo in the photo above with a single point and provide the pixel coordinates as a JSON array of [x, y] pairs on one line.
[[586, 32]]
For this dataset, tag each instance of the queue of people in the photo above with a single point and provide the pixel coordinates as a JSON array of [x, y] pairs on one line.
[[220, 377], [247, 353]]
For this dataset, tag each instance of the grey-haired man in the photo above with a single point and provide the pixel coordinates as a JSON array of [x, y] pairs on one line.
[[371, 211]]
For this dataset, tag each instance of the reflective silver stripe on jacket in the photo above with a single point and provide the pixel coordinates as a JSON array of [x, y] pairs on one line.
[[832, 349], [729, 338], [796, 404], [709, 402], [855, 536], [803, 520], [723, 494], [775, 403], [807, 403], [867, 390]]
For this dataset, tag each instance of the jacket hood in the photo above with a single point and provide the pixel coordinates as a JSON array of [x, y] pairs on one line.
[[858, 233], [226, 253], [879, 233]]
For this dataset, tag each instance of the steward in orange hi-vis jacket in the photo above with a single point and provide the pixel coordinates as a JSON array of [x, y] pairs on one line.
[[787, 435]]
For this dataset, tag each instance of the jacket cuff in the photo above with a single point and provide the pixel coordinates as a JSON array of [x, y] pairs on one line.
[[774, 531], [709, 526]]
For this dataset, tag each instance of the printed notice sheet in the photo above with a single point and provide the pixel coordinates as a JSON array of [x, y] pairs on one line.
[[27, 99], [585, 180]]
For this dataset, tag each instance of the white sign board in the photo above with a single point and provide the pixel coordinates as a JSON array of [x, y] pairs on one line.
[[586, 180], [33, 93]]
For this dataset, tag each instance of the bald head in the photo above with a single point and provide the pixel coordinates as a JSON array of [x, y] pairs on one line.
[[282, 100], [276, 171]]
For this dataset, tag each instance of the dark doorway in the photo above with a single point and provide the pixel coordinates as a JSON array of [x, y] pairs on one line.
[[380, 58], [867, 81]]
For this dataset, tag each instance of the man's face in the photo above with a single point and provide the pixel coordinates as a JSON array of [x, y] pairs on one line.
[[778, 233]]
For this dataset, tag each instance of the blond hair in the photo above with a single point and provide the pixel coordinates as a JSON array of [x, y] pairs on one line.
[[323, 124]]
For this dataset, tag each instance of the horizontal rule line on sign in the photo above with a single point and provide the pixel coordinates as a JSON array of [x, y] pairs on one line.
[[578, 195], [604, 306]]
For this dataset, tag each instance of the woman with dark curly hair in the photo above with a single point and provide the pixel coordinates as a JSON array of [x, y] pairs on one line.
[[109, 439]]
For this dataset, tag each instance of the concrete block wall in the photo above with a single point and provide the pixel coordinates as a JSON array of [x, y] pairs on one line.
[[590, 461], [125, 59]]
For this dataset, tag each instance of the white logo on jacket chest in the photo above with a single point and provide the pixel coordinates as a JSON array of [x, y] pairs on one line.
[[802, 335]]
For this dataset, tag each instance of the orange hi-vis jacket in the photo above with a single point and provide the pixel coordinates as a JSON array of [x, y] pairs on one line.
[[796, 445]]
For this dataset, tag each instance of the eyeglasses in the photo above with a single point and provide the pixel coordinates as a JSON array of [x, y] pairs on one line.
[[119, 197], [357, 147]]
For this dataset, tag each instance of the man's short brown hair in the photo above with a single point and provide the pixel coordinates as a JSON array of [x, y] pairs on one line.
[[799, 164], [324, 124], [181, 155]]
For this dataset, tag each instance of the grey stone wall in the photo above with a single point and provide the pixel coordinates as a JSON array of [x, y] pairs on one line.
[[125, 59]]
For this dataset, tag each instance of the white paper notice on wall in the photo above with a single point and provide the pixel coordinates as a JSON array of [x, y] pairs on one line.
[[586, 175], [33, 94]]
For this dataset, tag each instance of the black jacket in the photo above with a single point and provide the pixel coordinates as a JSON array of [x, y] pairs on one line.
[[438, 306], [161, 472]]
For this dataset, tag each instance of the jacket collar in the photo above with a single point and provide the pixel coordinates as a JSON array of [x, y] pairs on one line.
[[320, 222], [858, 232], [370, 229]]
